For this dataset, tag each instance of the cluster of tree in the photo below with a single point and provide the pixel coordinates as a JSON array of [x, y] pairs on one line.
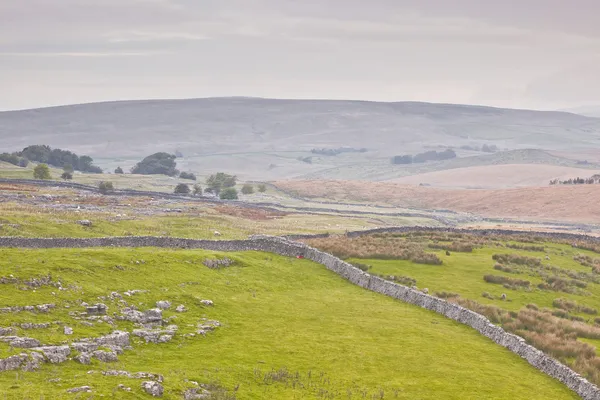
[[220, 184], [59, 158], [187, 175], [486, 148], [14, 159], [424, 157], [577, 181], [339, 150], [157, 164]]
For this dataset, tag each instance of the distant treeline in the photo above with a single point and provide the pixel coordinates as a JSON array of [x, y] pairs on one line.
[[424, 157], [577, 181], [491, 148], [339, 150], [55, 157]]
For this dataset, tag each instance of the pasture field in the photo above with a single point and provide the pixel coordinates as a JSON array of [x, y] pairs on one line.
[[288, 329], [547, 292]]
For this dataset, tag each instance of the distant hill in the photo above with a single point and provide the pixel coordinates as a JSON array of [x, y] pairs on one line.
[[263, 138], [589, 111]]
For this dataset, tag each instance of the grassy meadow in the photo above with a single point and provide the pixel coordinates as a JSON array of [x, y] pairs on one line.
[[290, 330], [547, 292]]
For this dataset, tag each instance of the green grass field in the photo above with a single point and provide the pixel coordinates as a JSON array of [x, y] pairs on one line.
[[463, 273], [323, 337]]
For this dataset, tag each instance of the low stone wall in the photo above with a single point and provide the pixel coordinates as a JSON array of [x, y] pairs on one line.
[[585, 389]]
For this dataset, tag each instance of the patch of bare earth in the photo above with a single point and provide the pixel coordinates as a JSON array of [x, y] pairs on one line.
[[577, 203]]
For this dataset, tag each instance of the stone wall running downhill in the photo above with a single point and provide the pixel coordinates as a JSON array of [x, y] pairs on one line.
[[585, 389]]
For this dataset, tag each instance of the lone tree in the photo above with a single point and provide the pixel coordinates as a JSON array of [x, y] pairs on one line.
[[262, 188], [187, 175], [182, 188], [41, 171], [157, 164], [197, 190], [229, 194], [67, 176], [220, 181], [119, 170], [247, 189], [106, 187]]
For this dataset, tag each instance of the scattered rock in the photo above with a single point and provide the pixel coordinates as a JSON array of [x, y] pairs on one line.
[[82, 389], [105, 356], [31, 325], [426, 290], [98, 309], [163, 304], [55, 354], [6, 331], [68, 330], [117, 338], [25, 343], [207, 326], [207, 303], [156, 335], [181, 308], [85, 222], [153, 388], [115, 295], [124, 388], [84, 358], [152, 315], [45, 307], [13, 362], [34, 362], [196, 394]]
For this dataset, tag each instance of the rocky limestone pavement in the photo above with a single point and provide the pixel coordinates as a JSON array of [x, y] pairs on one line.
[[137, 375], [181, 308], [157, 335], [32, 325], [153, 388], [97, 309], [84, 358], [24, 343], [68, 330], [6, 331], [105, 356], [81, 389], [55, 354]]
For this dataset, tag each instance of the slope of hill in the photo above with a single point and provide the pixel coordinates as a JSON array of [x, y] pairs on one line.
[[257, 338], [557, 203], [496, 176], [270, 135]]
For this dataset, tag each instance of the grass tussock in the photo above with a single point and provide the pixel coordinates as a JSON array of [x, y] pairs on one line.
[[507, 282], [460, 247], [553, 335], [573, 306], [517, 259]]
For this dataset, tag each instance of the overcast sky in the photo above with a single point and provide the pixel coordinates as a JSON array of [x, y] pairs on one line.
[[540, 54]]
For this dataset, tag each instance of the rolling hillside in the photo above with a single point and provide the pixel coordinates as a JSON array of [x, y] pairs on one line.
[[262, 138]]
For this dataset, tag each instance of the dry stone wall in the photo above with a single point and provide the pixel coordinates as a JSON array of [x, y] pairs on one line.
[[585, 389]]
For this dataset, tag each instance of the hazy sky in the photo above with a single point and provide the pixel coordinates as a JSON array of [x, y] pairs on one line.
[[516, 53]]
